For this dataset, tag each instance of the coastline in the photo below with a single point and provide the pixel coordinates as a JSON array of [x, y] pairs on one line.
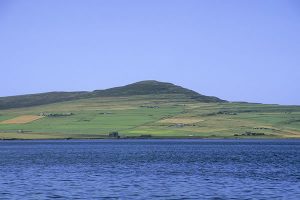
[[152, 138]]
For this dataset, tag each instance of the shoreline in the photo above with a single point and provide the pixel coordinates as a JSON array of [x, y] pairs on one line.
[[153, 138]]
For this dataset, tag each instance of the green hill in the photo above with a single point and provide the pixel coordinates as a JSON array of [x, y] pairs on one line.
[[147, 109], [154, 88], [139, 88]]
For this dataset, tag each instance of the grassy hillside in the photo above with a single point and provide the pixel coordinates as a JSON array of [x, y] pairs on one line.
[[172, 114], [154, 88], [139, 88], [38, 99]]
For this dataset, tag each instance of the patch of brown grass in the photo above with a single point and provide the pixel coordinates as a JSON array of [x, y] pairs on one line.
[[23, 119]]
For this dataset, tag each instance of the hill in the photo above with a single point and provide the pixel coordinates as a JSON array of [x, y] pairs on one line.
[[147, 109], [139, 88], [154, 88]]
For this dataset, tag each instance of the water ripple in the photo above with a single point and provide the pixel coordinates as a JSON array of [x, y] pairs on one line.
[[151, 169]]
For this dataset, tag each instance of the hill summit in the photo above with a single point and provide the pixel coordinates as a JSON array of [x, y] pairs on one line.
[[149, 87], [152, 87]]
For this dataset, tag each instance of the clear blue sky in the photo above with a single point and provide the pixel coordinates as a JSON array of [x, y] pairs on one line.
[[235, 50]]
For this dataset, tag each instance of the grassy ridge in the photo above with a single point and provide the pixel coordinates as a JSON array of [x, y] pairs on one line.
[[139, 88], [155, 114]]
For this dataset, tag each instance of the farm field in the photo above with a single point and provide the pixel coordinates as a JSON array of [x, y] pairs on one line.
[[155, 116], [23, 119]]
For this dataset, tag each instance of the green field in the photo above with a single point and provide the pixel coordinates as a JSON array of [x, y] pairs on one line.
[[167, 116]]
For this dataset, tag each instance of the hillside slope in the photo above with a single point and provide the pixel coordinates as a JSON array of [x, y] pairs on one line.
[[156, 116], [139, 88], [154, 87]]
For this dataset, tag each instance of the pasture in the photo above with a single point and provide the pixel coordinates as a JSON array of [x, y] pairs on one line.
[[163, 116]]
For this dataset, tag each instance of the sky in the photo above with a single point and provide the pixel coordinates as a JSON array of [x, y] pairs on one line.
[[236, 50]]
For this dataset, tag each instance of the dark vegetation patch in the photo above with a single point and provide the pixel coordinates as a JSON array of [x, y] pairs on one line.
[[147, 106], [114, 134], [249, 133], [56, 114], [146, 136], [265, 128], [226, 113], [105, 113]]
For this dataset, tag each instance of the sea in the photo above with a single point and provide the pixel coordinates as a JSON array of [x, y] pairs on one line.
[[150, 169]]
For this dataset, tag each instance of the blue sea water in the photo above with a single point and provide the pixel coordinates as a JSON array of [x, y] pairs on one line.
[[150, 169]]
